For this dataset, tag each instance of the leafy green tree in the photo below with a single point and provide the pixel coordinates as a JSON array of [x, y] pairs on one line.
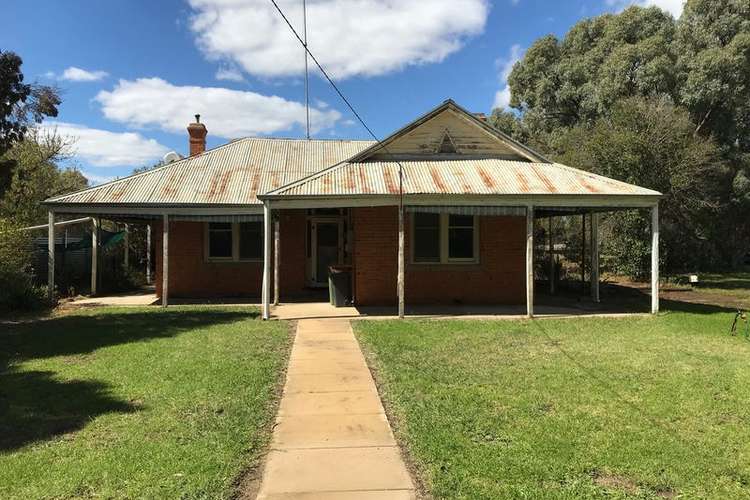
[[37, 176], [21, 103], [560, 83], [651, 142], [696, 71]]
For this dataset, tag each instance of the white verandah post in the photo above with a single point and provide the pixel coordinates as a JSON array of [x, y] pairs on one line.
[[276, 260], [655, 259], [551, 259], [266, 287], [401, 263], [148, 253], [530, 262], [94, 254], [51, 255], [165, 261], [595, 256]]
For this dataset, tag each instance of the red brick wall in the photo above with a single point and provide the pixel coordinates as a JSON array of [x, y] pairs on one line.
[[497, 279], [190, 275]]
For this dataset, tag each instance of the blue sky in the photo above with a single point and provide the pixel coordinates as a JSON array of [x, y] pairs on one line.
[[134, 73]]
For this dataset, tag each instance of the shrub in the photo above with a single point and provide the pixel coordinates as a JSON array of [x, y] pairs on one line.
[[17, 289]]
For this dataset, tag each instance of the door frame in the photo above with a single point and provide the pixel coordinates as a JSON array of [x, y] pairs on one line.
[[311, 278]]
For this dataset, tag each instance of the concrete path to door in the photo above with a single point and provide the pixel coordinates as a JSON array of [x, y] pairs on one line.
[[332, 439]]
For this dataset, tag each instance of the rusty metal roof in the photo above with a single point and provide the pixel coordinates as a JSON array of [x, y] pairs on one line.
[[232, 174], [484, 176]]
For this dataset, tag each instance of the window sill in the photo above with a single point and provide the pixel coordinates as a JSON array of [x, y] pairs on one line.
[[458, 263], [217, 260]]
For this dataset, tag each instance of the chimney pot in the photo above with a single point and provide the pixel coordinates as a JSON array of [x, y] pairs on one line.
[[197, 133]]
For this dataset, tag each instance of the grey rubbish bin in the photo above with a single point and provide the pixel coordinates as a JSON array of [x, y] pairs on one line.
[[340, 285]]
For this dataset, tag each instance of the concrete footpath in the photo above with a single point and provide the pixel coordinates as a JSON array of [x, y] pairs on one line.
[[332, 438]]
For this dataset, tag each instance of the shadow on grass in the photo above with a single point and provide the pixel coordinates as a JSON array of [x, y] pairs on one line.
[[35, 406]]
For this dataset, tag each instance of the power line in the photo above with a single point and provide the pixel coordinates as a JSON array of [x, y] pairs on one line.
[[346, 101], [307, 88]]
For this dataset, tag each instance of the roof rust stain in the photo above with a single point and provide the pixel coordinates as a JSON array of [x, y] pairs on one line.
[[170, 188], [326, 180], [486, 178], [255, 184], [545, 180], [523, 183], [350, 181], [389, 184], [275, 180], [588, 187], [435, 174], [118, 194], [218, 185], [363, 179]]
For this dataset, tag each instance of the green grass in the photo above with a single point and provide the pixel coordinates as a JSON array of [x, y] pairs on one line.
[[735, 285], [136, 403], [643, 407]]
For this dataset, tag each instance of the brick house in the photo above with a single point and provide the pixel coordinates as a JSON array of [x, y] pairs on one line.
[[440, 212]]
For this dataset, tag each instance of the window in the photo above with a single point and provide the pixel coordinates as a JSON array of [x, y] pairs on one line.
[[426, 237], [444, 238], [234, 241], [251, 240], [220, 240], [460, 237]]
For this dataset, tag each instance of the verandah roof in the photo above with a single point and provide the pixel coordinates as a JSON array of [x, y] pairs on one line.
[[483, 176]]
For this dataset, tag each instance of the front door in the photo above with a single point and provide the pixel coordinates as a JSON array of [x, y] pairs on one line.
[[326, 249]]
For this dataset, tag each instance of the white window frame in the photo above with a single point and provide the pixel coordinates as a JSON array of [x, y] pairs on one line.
[[444, 243], [235, 246]]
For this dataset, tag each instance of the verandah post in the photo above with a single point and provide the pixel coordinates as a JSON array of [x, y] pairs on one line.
[[276, 259], [655, 259], [401, 263], [148, 253], [266, 288], [551, 259], [94, 254], [595, 256], [530, 262], [165, 261], [51, 255]]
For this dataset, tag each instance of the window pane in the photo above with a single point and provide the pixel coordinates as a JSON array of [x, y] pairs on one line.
[[220, 239], [426, 237], [461, 237], [461, 220], [251, 240]]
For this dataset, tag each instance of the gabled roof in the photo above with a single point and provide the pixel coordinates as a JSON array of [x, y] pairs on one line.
[[232, 174], [430, 130], [482, 176]]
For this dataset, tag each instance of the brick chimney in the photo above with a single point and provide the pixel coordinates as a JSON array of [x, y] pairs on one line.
[[197, 132], [481, 116]]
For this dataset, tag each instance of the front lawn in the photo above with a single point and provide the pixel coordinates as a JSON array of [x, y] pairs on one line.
[[136, 403], [646, 407]]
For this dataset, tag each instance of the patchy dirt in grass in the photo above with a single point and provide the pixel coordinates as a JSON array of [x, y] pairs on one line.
[[615, 482]]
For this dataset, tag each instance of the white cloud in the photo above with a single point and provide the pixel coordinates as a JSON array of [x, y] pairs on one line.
[[227, 113], [229, 73], [505, 65], [103, 148], [95, 179], [349, 38], [75, 74], [674, 7]]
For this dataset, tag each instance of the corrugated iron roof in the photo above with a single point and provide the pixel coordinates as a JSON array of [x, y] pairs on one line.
[[485, 176], [232, 174]]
